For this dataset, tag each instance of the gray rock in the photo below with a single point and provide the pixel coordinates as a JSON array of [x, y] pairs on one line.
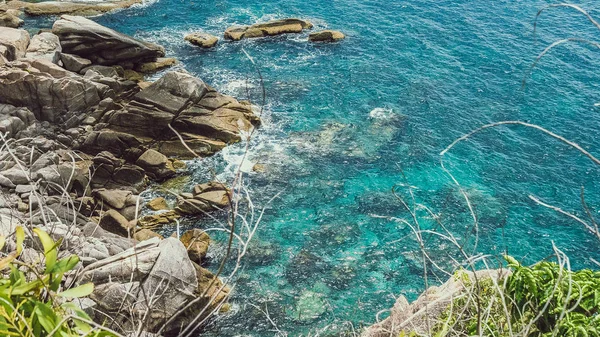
[[74, 63], [44, 45], [46, 159], [5, 182], [101, 45], [113, 198], [24, 189], [48, 90], [16, 176], [13, 43], [154, 267]]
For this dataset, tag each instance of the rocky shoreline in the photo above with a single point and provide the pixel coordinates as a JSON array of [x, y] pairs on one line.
[[82, 136]]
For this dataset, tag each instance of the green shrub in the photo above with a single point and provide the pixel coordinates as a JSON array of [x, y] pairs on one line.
[[539, 301], [33, 306]]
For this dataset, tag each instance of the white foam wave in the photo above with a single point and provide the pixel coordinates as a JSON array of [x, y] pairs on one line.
[[382, 113]]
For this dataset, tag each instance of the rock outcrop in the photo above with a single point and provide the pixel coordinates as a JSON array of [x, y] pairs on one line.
[[271, 28], [102, 45], [326, 36], [49, 90], [68, 7], [202, 40], [160, 268]]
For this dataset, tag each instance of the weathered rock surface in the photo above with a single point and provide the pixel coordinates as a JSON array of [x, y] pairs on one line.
[[74, 63], [206, 119], [202, 40], [44, 45], [13, 43], [326, 36], [271, 28], [102, 45], [155, 267], [48, 90]]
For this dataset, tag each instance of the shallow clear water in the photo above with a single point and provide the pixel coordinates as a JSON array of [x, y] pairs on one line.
[[344, 121]]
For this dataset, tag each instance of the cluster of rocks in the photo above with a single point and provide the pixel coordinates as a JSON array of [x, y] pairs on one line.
[[270, 28], [83, 136]]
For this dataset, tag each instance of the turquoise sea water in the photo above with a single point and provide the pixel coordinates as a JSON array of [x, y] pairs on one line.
[[344, 122]]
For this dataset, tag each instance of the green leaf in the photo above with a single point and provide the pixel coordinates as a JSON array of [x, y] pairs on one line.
[[50, 249], [46, 316], [80, 291], [65, 264]]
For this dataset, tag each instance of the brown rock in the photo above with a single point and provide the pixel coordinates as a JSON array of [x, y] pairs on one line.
[[202, 40], [219, 198], [196, 242], [158, 204], [158, 220], [326, 36], [160, 63], [192, 206], [146, 234], [271, 28], [113, 198], [115, 223]]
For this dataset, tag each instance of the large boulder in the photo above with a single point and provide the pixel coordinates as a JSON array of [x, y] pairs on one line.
[[161, 268], [102, 45], [48, 90], [13, 43], [44, 45], [271, 28]]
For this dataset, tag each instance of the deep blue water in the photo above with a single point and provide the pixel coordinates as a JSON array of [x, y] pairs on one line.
[[346, 122]]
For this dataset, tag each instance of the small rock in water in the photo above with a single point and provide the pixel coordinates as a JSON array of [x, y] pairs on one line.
[[271, 28], [326, 36], [309, 306], [202, 40]]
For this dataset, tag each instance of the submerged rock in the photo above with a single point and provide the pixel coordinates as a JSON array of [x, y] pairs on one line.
[[102, 45], [271, 28], [326, 36], [309, 306], [202, 40]]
